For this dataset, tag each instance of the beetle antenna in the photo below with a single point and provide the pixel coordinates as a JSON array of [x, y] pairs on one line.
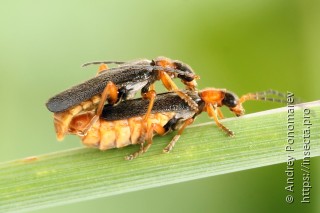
[[269, 95], [102, 62]]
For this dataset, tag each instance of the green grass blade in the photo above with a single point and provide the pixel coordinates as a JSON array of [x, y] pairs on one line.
[[202, 151]]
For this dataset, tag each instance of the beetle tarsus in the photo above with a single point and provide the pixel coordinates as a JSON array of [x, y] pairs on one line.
[[212, 112], [135, 154], [170, 146]]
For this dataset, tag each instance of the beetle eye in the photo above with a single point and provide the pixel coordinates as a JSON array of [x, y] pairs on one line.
[[230, 100]]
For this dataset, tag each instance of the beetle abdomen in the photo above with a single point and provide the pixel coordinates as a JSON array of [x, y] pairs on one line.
[[62, 120], [116, 134]]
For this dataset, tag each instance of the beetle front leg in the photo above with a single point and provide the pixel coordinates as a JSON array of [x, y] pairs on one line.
[[212, 112], [220, 113], [170, 146]]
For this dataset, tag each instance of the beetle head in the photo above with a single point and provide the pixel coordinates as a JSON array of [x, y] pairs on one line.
[[235, 104], [232, 101]]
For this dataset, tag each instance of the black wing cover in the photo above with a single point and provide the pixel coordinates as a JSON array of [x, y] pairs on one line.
[[164, 102], [84, 91]]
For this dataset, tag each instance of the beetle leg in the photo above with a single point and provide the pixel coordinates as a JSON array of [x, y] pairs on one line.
[[171, 86], [149, 137], [101, 68], [153, 127], [151, 95], [109, 93], [190, 85], [152, 87], [135, 154], [170, 146], [220, 113], [212, 112], [158, 129], [148, 92]]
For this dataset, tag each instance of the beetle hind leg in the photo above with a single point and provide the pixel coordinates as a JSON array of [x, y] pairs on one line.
[[170, 146]]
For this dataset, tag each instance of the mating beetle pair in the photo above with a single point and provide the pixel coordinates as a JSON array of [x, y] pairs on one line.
[[119, 84], [81, 110]]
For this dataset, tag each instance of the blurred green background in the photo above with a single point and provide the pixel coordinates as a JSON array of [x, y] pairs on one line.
[[243, 46]]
